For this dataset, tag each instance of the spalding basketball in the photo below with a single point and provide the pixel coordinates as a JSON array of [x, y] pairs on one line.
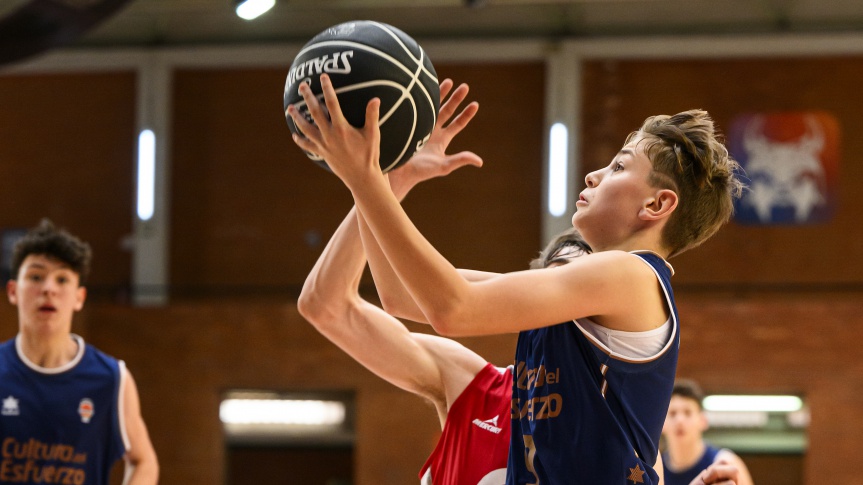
[[368, 60]]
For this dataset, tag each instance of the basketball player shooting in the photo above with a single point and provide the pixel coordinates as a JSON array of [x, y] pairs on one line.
[[607, 370], [463, 387]]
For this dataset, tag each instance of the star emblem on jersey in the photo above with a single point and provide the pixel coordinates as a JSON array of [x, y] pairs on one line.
[[635, 474], [10, 407]]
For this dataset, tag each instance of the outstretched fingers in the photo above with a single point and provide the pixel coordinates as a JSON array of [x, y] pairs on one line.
[[445, 87], [462, 119], [333, 106], [452, 103]]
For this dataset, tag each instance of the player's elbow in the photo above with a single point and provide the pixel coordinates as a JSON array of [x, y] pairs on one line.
[[319, 309], [396, 307], [448, 321]]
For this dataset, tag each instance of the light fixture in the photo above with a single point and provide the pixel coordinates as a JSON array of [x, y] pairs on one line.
[[558, 141], [309, 412], [744, 403], [146, 174], [252, 9]]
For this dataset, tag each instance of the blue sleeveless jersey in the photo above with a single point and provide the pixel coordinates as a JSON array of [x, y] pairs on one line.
[[59, 425], [584, 415], [685, 477]]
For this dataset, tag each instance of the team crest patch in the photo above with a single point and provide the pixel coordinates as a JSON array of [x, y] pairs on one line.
[[10, 407], [85, 410], [790, 162]]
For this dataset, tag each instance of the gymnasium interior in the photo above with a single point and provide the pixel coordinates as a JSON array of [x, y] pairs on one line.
[[195, 286]]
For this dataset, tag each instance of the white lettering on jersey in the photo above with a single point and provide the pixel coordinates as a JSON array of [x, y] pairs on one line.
[[488, 425]]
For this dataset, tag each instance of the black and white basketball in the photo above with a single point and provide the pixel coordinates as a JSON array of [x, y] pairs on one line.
[[366, 60]]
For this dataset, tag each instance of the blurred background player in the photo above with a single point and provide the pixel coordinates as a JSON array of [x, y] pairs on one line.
[[686, 452], [69, 410]]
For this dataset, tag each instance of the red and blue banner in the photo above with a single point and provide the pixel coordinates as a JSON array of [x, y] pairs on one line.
[[790, 161]]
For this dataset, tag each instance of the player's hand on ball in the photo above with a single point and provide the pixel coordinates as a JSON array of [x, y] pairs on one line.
[[432, 160], [350, 152]]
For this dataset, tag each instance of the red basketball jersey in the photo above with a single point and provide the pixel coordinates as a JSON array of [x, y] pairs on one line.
[[474, 444]]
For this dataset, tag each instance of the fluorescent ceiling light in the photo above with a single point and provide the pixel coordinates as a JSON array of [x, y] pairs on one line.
[[557, 169], [252, 9], [282, 411], [752, 403]]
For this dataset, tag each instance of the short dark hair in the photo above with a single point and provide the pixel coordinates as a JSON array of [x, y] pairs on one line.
[[54, 243], [689, 389], [568, 238]]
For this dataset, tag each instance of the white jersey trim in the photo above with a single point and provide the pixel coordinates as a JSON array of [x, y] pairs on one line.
[[121, 414], [52, 370], [671, 318], [632, 345]]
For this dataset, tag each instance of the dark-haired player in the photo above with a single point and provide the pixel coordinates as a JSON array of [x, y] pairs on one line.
[[69, 411], [686, 453]]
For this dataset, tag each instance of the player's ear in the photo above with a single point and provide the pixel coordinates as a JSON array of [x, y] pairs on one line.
[[703, 424], [80, 297], [660, 205], [12, 291]]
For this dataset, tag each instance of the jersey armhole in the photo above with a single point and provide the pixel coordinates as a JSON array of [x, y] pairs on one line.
[[121, 413]]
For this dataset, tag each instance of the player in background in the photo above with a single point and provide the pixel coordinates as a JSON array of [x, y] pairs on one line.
[[69, 410], [686, 452]]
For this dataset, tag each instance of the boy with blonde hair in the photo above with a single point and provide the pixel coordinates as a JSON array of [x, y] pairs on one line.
[[590, 394]]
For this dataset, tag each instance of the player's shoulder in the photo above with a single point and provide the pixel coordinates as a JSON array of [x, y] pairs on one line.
[[613, 265], [95, 357], [724, 455]]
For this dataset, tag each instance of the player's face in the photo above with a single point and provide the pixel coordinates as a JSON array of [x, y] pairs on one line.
[[47, 294], [607, 211], [685, 421]]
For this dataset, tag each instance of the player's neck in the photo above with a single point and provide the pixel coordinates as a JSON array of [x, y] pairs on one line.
[[644, 241], [48, 351], [684, 454]]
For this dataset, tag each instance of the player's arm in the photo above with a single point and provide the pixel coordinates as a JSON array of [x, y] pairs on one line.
[[395, 298], [728, 457], [432, 367], [614, 285], [142, 466], [435, 368], [430, 161]]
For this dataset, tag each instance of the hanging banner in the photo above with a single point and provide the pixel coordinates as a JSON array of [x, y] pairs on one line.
[[790, 162]]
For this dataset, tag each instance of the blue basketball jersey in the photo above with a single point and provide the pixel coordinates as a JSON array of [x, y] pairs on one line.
[[585, 415], [59, 425], [685, 477]]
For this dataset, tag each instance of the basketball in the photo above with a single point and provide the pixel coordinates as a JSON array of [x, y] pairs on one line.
[[367, 60]]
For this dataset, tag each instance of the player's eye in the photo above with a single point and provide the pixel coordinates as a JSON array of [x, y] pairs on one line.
[[616, 167]]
